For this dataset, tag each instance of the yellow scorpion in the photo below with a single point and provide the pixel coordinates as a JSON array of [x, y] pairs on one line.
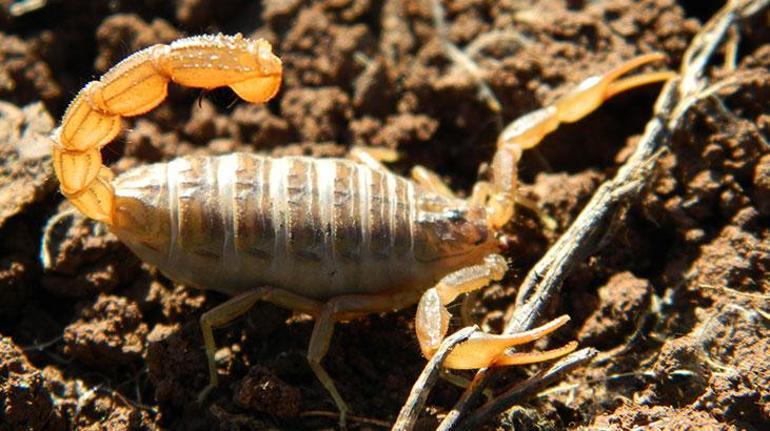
[[334, 238]]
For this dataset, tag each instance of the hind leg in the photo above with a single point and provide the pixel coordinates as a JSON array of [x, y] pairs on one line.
[[344, 308], [224, 313]]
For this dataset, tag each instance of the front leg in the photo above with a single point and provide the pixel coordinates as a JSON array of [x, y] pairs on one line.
[[481, 349]]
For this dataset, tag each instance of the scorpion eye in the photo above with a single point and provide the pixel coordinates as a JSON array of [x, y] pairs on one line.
[[455, 215]]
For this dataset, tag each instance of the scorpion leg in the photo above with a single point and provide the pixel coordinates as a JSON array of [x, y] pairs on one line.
[[481, 349], [482, 190], [431, 181], [373, 156], [225, 313], [529, 130], [345, 308]]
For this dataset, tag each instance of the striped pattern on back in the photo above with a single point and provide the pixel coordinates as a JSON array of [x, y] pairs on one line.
[[337, 221]]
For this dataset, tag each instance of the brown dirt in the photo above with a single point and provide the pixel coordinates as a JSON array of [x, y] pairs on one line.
[[677, 297]]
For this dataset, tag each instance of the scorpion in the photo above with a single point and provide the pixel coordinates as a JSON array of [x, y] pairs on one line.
[[335, 238]]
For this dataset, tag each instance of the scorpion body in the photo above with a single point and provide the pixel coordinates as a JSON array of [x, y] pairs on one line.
[[334, 238], [318, 227]]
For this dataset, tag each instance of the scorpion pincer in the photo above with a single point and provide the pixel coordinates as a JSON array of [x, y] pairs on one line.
[[334, 238]]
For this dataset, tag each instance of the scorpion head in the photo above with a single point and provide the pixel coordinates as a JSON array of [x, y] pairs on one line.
[[452, 232]]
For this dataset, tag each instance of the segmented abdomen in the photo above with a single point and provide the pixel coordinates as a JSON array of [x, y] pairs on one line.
[[320, 227]]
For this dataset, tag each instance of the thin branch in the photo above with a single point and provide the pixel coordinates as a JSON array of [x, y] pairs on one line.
[[738, 293], [544, 280], [351, 418], [529, 387], [430, 374], [733, 81], [20, 8], [731, 49], [496, 38], [462, 60]]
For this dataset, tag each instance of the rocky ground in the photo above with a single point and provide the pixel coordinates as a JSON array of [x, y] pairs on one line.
[[678, 297]]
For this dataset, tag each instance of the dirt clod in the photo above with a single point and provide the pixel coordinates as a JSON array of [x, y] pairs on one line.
[[762, 185], [25, 167], [24, 76], [659, 418], [319, 114], [76, 247], [621, 301], [176, 363], [109, 331], [25, 402], [262, 391]]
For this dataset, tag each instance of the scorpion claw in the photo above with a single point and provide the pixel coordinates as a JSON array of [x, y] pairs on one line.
[[484, 350]]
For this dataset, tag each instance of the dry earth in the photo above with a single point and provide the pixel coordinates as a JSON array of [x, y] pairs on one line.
[[678, 297]]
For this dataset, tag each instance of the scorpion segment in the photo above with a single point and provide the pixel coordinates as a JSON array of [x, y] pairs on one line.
[[529, 130], [141, 215], [481, 349], [248, 67], [137, 85]]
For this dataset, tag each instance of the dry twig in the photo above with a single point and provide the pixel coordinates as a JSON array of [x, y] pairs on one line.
[[413, 405], [530, 386], [464, 61]]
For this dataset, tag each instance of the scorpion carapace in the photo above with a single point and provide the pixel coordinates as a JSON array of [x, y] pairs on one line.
[[333, 238]]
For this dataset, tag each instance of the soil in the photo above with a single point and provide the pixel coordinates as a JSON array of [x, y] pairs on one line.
[[677, 298]]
